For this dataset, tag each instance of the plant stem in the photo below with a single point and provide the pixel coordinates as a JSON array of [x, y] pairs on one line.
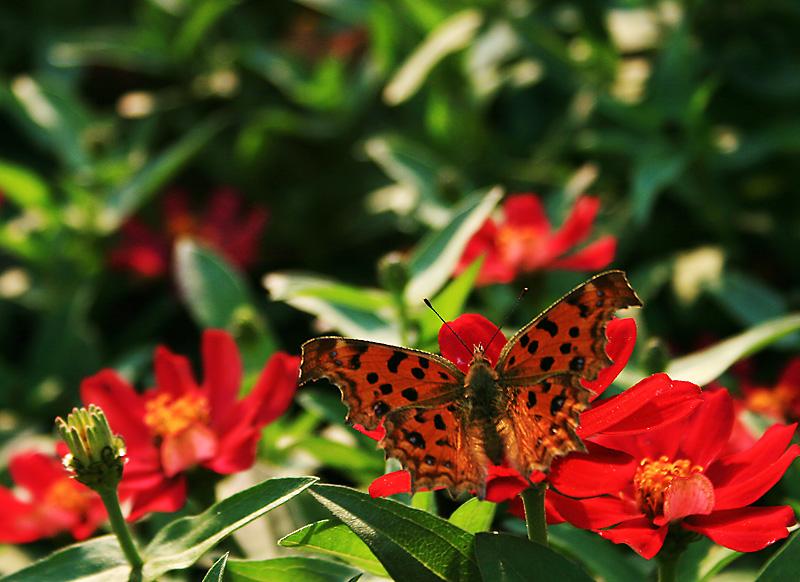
[[111, 501], [535, 520], [667, 568]]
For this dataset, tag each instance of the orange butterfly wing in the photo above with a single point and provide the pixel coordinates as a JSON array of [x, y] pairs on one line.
[[541, 367], [417, 395]]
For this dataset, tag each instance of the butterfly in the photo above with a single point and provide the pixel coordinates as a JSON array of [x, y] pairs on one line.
[[444, 426]]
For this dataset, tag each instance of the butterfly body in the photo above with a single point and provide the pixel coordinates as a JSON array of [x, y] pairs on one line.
[[518, 406]]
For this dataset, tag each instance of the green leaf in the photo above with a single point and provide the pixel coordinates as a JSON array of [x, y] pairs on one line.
[[449, 302], [424, 500], [126, 199], [703, 560], [335, 539], [450, 36], [218, 296], [352, 311], [783, 565], [23, 187], [406, 163], [474, 515], [748, 299], [438, 254], [508, 558], [96, 560], [343, 457], [182, 542], [217, 570], [294, 569], [604, 559], [706, 365], [654, 171], [410, 543], [350, 11]]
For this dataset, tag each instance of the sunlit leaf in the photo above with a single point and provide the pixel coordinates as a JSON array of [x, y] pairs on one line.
[[216, 572], [335, 539], [96, 560], [182, 542], [474, 515], [783, 565], [708, 364], [437, 255], [294, 569], [411, 544], [449, 302], [23, 187]]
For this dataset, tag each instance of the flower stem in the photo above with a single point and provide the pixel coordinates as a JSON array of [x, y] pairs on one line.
[[667, 568], [111, 501], [535, 520]]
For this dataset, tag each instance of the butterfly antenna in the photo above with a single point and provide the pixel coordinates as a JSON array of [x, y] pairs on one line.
[[428, 303], [508, 316]]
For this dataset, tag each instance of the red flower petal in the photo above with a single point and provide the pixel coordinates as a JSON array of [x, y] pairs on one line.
[[16, 525], [123, 407], [709, 428], [222, 373], [755, 459], [576, 227], [186, 449], [173, 373], [693, 495], [594, 512], [592, 257], [526, 211], [654, 402], [36, 472], [376, 434], [473, 329], [621, 335], [749, 487], [504, 484], [168, 497], [236, 451], [747, 529], [639, 534], [791, 374], [274, 389], [391, 484], [483, 243], [601, 471]]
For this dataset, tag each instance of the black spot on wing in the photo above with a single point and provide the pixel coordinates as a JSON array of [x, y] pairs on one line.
[[418, 373], [546, 363], [549, 326], [410, 394], [372, 377], [438, 422], [395, 360]]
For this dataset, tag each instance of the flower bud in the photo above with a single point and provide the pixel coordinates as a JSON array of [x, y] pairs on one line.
[[393, 272], [96, 454]]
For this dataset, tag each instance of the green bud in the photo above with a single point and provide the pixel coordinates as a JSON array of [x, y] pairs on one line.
[[96, 454], [393, 272]]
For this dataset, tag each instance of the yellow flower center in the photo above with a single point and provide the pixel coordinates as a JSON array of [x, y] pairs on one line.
[[652, 479], [68, 495], [168, 416], [776, 402]]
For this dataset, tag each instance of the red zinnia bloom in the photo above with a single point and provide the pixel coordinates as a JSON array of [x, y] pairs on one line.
[[630, 488], [523, 241], [53, 501], [180, 423], [781, 401], [225, 225], [650, 403]]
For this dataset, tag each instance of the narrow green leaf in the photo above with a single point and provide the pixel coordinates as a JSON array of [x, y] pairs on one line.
[[125, 200], [182, 542], [294, 569], [351, 11], [706, 365], [508, 558], [783, 565], [748, 299], [703, 560], [218, 296], [340, 456], [474, 515], [438, 254], [335, 539], [450, 36], [217, 570], [449, 302], [352, 311], [653, 172], [23, 187], [411, 544], [96, 560]]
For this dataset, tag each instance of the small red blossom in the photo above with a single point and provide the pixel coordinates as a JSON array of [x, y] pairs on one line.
[[523, 241], [53, 502], [651, 403], [781, 401], [181, 423], [225, 225], [630, 488]]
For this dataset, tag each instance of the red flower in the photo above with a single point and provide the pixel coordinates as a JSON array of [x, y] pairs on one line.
[[179, 423], [630, 487], [54, 502], [226, 226], [650, 403], [523, 241], [781, 401]]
